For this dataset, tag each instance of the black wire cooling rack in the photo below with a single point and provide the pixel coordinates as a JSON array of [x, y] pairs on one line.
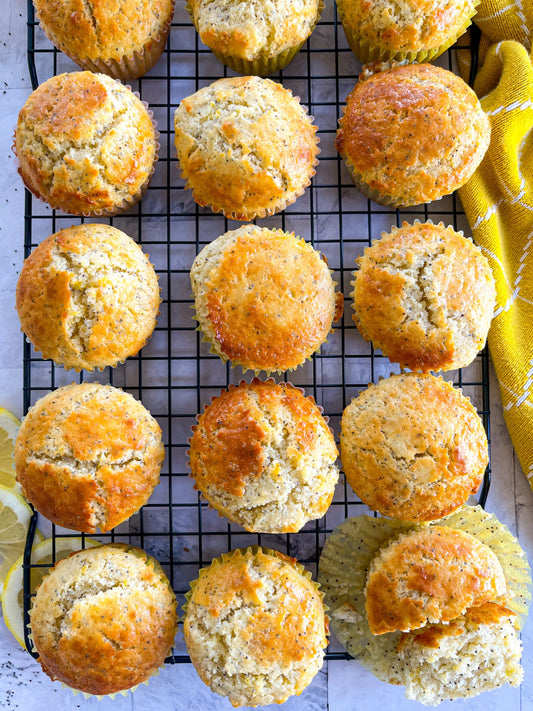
[[175, 375]]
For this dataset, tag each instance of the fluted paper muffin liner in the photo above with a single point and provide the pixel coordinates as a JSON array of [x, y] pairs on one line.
[[366, 51], [264, 64], [344, 564], [127, 68], [150, 560]]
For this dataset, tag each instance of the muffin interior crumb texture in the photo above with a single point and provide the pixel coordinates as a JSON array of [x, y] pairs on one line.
[[250, 28], [477, 652], [264, 456], [255, 629], [103, 622]]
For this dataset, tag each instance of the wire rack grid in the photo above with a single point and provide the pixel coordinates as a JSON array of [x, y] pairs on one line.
[[175, 375]]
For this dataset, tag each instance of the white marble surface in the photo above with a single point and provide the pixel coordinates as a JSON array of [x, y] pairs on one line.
[[341, 686]]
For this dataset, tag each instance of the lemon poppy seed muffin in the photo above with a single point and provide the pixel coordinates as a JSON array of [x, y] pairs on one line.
[[257, 36], [431, 575], [85, 144], [246, 146], [104, 619], [411, 134], [88, 456], [88, 297], [417, 30], [263, 455], [476, 652], [123, 39], [413, 447], [424, 295], [255, 627], [264, 298]]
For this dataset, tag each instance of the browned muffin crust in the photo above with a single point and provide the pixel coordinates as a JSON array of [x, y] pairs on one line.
[[413, 133], [246, 146], [264, 298], [413, 447], [85, 144], [263, 455], [425, 296], [88, 456], [88, 297], [431, 575], [98, 29], [104, 619]]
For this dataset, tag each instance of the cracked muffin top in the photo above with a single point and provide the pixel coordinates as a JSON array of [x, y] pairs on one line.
[[413, 447], [85, 144], [432, 575], [411, 134], [104, 619], [88, 456], [255, 626], [246, 146], [263, 455], [424, 295], [88, 297], [103, 30], [250, 28]]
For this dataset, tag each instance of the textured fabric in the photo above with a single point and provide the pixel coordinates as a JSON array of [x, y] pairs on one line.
[[498, 202]]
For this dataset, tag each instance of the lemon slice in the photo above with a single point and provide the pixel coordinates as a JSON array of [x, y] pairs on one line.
[[9, 427], [42, 554], [15, 516]]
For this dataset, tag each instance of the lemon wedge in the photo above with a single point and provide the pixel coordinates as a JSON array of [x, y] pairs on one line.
[[15, 516], [41, 555], [9, 427]]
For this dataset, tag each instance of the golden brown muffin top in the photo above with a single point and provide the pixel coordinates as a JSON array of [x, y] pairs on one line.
[[405, 25], [271, 642], [246, 146], [85, 143], [264, 298], [88, 297], [425, 296], [263, 455], [88, 456], [413, 133], [413, 447], [431, 575], [103, 29], [252, 28], [104, 619]]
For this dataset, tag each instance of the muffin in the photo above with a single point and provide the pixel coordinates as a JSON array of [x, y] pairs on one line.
[[86, 144], [446, 662], [255, 627], [264, 298], [123, 39], [246, 147], [88, 456], [413, 447], [411, 134], [255, 37], [380, 30], [104, 619], [263, 455], [88, 297], [432, 575], [424, 295], [475, 651]]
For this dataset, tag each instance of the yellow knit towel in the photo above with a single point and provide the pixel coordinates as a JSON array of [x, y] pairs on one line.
[[498, 202]]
